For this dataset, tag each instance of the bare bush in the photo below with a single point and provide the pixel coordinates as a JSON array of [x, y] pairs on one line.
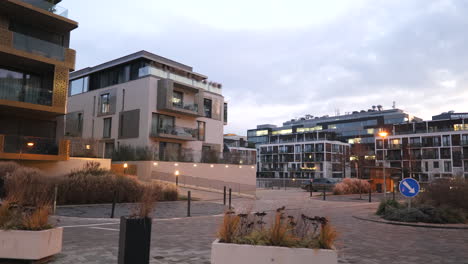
[[351, 186]]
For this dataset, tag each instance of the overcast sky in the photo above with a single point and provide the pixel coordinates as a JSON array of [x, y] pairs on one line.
[[279, 60]]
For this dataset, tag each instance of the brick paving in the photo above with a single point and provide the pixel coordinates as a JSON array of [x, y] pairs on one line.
[[188, 240]]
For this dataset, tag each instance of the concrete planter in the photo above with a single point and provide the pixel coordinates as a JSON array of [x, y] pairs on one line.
[[30, 245], [223, 253]]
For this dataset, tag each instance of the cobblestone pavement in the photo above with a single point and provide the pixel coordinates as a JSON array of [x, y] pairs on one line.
[[188, 240]]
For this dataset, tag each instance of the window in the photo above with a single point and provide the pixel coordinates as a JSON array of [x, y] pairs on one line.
[[107, 128], [207, 106], [426, 166], [436, 164], [447, 166], [79, 86], [178, 99], [25, 87], [105, 103], [225, 112], [446, 140], [80, 122], [201, 130]]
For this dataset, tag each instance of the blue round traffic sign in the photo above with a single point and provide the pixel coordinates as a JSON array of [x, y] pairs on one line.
[[409, 187]]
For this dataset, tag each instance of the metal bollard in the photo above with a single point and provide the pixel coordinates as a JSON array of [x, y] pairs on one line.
[[113, 204], [224, 196], [189, 199], [177, 181], [324, 194], [370, 195], [311, 190], [55, 198], [230, 195]]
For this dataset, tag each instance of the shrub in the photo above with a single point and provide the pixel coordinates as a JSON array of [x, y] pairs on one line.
[[451, 193], [411, 215], [284, 231], [385, 205], [351, 186], [29, 186]]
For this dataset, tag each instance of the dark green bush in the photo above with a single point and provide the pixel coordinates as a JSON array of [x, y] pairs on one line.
[[385, 205], [411, 215], [425, 214]]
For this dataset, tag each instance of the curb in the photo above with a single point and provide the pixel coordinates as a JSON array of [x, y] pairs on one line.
[[410, 224]]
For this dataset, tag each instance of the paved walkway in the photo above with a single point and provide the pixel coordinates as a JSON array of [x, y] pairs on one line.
[[188, 240]]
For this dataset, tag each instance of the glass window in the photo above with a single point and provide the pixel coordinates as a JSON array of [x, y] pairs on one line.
[[207, 106], [225, 112], [79, 86], [24, 87], [178, 99], [436, 164], [446, 140], [201, 130], [447, 166], [107, 128], [105, 103]]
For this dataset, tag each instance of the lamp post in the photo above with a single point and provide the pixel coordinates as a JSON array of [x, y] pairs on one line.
[[383, 135]]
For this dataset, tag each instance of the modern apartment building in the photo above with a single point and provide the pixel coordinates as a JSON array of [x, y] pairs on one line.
[[147, 101], [237, 150], [35, 61], [426, 150], [316, 157], [354, 127]]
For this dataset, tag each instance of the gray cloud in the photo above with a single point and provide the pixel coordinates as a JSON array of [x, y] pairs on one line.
[[411, 52]]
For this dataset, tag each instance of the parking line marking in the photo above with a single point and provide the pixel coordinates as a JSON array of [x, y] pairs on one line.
[[102, 228]]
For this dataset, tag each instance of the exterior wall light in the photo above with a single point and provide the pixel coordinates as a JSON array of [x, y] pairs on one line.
[[240, 167], [125, 165], [88, 147], [30, 144], [211, 165], [227, 166], [176, 173], [155, 164], [253, 167], [176, 164], [194, 165]]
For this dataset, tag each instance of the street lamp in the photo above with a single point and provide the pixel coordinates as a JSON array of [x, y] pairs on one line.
[[383, 135]]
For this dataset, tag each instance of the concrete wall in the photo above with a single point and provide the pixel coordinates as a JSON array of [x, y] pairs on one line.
[[238, 177], [59, 168]]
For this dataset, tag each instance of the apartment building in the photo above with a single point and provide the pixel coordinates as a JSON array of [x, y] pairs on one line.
[[146, 101], [35, 61], [426, 150], [316, 157], [237, 149]]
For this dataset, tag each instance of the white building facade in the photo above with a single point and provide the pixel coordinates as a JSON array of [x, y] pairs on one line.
[[149, 102]]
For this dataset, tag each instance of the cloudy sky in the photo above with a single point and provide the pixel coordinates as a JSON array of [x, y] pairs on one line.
[[279, 60]]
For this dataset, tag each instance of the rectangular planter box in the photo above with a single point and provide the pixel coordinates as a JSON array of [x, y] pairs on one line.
[[223, 253], [30, 245], [134, 240]]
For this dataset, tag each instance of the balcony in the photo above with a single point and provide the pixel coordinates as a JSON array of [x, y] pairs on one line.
[[148, 70], [174, 132], [27, 95], [38, 46], [48, 6], [415, 145], [33, 148], [394, 146], [188, 107]]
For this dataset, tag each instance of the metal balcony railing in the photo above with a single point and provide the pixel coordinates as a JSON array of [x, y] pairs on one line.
[[190, 107], [29, 145], [26, 94], [177, 131], [47, 6], [38, 46]]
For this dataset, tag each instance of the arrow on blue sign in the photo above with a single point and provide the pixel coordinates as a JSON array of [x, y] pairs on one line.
[[409, 187]]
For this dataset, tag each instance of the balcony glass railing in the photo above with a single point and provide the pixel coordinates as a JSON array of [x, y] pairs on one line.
[[38, 46], [27, 95], [30, 145], [148, 70], [47, 6], [190, 107], [177, 131]]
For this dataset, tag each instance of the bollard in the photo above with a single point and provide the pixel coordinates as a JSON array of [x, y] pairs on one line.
[[370, 195], [189, 198], [55, 197], [113, 204], [394, 193], [224, 196], [324, 194], [230, 192], [311, 189], [177, 181]]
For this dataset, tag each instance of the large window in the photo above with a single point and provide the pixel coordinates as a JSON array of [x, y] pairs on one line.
[[201, 130], [79, 86], [105, 103], [178, 99], [24, 87], [208, 107], [447, 166], [225, 112], [107, 128]]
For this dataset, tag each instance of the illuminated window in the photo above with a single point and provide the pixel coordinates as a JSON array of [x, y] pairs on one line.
[[282, 132], [261, 133], [308, 129], [458, 127]]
